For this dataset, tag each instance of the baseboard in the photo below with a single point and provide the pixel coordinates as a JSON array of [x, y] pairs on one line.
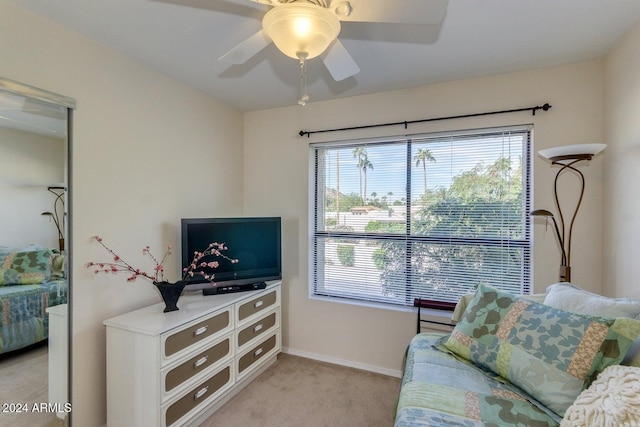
[[348, 363]]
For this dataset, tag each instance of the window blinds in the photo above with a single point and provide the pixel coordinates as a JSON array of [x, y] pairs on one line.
[[430, 216]]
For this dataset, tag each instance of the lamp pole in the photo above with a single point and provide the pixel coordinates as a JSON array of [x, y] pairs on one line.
[[566, 157], [565, 269]]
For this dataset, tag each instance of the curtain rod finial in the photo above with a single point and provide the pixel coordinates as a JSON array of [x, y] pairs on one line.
[[545, 107]]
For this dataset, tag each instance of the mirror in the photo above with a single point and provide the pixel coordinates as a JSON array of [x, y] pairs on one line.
[[35, 284]]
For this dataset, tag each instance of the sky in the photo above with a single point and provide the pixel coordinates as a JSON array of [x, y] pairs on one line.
[[389, 175]]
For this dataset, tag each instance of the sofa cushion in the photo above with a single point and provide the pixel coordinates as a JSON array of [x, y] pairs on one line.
[[58, 265], [612, 399], [25, 267], [551, 354], [569, 297], [441, 389]]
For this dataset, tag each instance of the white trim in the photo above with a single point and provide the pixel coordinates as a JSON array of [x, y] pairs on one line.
[[342, 362], [363, 303], [315, 213]]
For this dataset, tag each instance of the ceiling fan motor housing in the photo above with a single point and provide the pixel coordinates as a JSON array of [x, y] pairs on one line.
[[301, 28]]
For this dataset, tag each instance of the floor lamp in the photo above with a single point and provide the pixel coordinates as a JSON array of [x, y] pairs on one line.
[[565, 157], [59, 212]]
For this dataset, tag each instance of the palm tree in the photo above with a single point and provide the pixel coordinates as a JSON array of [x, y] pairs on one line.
[[363, 164], [423, 156], [366, 164]]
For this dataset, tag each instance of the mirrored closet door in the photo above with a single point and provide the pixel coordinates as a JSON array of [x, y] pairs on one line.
[[35, 283]]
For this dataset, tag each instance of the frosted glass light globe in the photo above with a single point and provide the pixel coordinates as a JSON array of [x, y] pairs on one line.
[[298, 28]]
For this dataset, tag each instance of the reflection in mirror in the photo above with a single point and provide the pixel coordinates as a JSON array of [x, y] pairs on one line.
[[34, 277]]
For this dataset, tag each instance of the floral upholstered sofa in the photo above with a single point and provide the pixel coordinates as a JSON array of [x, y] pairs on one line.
[[31, 280], [515, 361]]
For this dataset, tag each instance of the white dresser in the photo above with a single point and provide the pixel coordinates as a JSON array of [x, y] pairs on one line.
[[177, 368]]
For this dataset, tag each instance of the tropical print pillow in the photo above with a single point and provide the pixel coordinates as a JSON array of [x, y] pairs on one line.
[[549, 353], [25, 267]]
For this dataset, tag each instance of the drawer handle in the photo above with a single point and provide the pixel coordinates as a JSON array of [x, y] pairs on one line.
[[258, 327], [201, 393], [200, 330], [258, 352], [258, 304], [200, 361]]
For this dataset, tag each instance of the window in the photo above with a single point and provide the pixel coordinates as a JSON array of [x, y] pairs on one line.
[[429, 216]]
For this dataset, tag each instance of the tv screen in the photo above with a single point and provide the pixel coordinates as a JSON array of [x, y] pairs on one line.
[[254, 242]]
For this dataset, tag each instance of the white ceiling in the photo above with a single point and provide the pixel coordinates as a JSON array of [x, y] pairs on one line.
[[184, 38]]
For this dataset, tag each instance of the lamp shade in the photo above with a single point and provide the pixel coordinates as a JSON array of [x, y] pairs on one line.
[[572, 152], [301, 29], [541, 212]]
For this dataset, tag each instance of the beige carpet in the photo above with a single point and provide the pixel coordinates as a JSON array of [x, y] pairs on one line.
[[301, 392], [23, 380]]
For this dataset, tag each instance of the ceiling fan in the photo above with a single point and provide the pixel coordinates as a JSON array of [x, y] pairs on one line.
[[305, 29]]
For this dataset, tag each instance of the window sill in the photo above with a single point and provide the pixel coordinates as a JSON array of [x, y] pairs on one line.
[[438, 315]]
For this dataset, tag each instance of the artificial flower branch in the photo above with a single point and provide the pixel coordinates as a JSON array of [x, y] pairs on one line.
[[118, 265]]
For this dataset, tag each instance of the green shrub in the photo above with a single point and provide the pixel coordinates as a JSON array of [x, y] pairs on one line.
[[379, 258], [346, 255], [385, 227]]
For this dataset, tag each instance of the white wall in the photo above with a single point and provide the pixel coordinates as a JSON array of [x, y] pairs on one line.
[[621, 275], [377, 338], [29, 163], [146, 152]]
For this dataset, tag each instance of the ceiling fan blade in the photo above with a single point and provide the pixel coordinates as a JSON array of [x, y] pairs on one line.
[[397, 11], [247, 49], [339, 63]]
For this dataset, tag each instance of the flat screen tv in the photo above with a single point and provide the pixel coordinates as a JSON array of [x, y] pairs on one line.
[[254, 242]]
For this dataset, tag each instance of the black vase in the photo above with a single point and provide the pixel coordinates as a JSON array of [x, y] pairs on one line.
[[170, 293]]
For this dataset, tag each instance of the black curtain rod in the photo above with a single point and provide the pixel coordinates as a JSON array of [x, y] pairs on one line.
[[545, 107]]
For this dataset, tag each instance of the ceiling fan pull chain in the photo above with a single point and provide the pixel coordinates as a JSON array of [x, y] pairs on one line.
[[304, 98]]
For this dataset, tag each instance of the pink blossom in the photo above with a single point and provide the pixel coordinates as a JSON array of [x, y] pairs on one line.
[[119, 265]]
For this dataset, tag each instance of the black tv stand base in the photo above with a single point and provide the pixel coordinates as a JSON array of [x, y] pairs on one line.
[[228, 289]]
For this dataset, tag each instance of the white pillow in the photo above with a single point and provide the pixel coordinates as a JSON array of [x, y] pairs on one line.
[[612, 400], [568, 297]]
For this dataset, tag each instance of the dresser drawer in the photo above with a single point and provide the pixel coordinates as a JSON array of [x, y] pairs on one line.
[[188, 369], [256, 329], [256, 353], [196, 332], [256, 305], [198, 395]]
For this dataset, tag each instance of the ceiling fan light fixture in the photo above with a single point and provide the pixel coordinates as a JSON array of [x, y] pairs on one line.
[[297, 28]]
